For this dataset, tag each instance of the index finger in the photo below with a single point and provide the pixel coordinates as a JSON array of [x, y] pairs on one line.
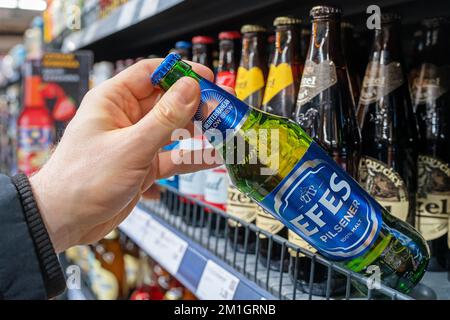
[[136, 78]]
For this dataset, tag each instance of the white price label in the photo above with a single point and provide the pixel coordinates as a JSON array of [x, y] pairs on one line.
[[164, 246], [148, 8], [136, 225], [127, 14], [216, 283]]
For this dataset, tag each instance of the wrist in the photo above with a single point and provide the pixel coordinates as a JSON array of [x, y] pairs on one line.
[[51, 212]]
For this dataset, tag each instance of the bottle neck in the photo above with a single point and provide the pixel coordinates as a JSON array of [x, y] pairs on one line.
[[202, 53], [252, 51], [387, 48], [325, 42], [226, 56], [436, 46], [286, 45]]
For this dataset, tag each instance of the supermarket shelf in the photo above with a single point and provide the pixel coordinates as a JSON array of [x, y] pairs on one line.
[[184, 250], [140, 25], [194, 266], [131, 13]]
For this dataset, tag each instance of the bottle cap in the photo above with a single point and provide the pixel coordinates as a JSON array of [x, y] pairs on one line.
[[247, 28], [389, 17], [282, 21], [229, 35], [202, 40], [183, 45], [165, 67], [324, 12]]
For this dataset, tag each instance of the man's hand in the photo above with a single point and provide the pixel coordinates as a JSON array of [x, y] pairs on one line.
[[109, 154]]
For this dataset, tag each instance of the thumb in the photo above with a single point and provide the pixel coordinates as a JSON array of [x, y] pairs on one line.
[[173, 111]]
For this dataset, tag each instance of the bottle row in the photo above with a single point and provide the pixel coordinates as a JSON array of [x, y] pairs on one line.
[[116, 268]]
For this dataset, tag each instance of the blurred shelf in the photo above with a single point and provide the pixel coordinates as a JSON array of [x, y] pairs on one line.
[[141, 27], [195, 267]]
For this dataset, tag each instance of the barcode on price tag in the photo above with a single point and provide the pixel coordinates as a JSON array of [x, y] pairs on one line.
[[216, 283], [163, 245]]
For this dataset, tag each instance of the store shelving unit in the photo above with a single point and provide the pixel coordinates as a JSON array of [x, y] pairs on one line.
[[196, 257], [141, 27]]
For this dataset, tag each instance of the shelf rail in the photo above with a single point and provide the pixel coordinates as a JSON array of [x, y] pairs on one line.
[[306, 275]]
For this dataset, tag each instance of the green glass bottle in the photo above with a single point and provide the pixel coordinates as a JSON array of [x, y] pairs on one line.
[[273, 161]]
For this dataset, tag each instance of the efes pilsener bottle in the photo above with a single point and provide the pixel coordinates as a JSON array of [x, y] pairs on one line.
[[326, 111], [388, 166], [301, 185], [431, 99]]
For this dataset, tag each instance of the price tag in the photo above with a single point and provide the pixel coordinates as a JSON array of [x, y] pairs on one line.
[[164, 246], [216, 283], [127, 14], [136, 225], [148, 8]]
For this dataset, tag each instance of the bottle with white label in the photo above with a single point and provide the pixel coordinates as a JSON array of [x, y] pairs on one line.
[[430, 91], [216, 192], [193, 185], [388, 165]]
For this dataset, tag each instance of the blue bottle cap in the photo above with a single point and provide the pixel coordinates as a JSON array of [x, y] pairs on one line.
[[183, 45], [165, 66]]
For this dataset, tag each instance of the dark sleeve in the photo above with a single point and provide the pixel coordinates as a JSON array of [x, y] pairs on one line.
[[29, 268]]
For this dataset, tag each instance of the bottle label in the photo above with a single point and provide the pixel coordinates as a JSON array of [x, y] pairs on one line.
[[319, 201], [226, 78], [297, 240], [248, 82], [193, 184], [267, 222], [380, 80], [433, 197], [103, 282], [216, 187], [240, 206], [430, 83], [385, 185], [279, 78], [219, 111], [316, 78], [34, 148]]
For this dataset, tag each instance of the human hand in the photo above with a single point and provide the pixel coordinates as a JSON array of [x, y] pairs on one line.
[[110, 153]]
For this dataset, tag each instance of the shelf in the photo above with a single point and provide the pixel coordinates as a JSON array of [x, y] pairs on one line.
[[194, 266]]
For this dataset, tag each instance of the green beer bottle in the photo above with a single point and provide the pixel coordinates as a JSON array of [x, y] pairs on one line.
[[273, 161]]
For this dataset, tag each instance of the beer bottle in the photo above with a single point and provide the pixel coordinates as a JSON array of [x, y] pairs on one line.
[[326, 111], [270, 254], [109, 252], [250, 83], [202, 49], [147, 288], [285, 68], [242, 207], [297, 182], [227, 68], [305, 39], [184, 48], [352, 57], [252, 71], [388, 165], [431, 100]]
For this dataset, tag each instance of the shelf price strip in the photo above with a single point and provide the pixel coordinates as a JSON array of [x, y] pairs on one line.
[[216, 283]]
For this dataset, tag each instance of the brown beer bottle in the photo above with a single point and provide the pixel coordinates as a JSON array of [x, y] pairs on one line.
[[249, 88], [285, 68], [202, 50], [326, 111], [430, 91], [109, 252], [227, 68], [352, 57], [252, 71], [388, 166]]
